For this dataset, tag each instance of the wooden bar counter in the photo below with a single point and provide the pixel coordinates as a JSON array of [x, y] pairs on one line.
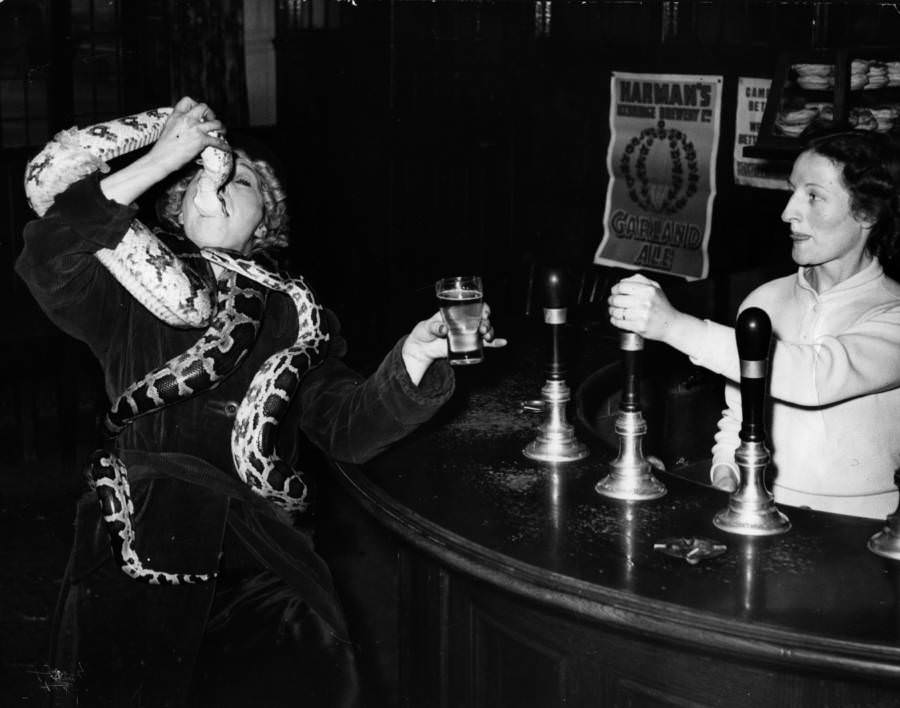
[[518, 585]]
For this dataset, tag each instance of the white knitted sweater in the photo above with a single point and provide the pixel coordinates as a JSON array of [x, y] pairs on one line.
[[834, 391]]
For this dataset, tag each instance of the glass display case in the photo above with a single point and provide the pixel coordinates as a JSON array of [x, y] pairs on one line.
[[828, 90]]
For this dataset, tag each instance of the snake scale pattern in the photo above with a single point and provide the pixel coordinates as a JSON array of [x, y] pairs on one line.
[[231, 310], [172, 291]]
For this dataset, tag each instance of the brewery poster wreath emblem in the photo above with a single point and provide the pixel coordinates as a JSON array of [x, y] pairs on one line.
[[664, 136]]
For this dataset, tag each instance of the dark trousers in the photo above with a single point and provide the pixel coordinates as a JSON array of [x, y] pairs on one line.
[[263, 647], [249, 641]]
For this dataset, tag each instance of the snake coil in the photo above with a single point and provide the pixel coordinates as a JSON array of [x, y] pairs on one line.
[[231, 310]]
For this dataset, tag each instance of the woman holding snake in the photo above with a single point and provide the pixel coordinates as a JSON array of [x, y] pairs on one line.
[[263, 625]]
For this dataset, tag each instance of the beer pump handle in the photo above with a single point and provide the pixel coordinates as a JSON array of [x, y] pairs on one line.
[[631, 345], [631, 477], [556, 296], [754, 336], [751, 509], [555, 441], [555, 314]]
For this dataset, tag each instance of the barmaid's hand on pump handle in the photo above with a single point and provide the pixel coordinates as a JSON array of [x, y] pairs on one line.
[[638, 304]]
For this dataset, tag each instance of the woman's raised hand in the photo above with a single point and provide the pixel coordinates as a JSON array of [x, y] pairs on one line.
[[185, 134], [183, 137]]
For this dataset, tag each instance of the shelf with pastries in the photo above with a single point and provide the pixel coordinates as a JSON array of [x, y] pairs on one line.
[[874, 97], [808, 93], [853, 88]]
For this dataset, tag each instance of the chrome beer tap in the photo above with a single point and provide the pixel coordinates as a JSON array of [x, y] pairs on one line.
[[630, 476], [751, 508], [556, 440], [886, 543]]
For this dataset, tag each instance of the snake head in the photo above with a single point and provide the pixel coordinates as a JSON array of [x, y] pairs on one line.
[[208, 199], [217, 166]]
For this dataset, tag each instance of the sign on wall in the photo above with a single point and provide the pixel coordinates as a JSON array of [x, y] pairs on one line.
[[664, 136], [752, 95]]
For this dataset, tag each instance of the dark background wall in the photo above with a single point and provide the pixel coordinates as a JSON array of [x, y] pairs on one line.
[[416, 138], [472, 136]]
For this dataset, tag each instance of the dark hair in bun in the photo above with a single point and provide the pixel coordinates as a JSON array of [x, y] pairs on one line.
[[870, 167]]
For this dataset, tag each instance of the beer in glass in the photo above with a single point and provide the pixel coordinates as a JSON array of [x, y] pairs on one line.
[[461, 300]]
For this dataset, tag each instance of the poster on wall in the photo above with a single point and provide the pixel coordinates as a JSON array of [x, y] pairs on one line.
[[664, 137], [754, 171]]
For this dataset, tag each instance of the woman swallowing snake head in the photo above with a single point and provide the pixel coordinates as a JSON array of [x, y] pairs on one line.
[[230, 308]]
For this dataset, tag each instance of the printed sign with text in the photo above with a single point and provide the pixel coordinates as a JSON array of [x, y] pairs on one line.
[[661, 161], [754, 171]]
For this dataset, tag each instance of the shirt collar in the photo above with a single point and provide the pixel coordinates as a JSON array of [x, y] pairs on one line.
[[872, 271]]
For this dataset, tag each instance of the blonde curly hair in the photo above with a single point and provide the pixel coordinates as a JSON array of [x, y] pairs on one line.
[[272, 233]]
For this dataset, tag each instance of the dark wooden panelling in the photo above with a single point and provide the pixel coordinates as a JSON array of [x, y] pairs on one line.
[[499, 650], [511, 668]]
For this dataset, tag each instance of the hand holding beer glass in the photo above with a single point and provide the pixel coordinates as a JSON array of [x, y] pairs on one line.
[[461, 300]]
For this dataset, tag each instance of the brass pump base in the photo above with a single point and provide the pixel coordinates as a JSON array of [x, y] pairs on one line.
[[751, 509], [555, 440], [886, 543], [630, 477]]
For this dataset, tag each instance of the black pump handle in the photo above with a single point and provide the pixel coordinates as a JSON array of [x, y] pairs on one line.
[[556, 295], [754, 337], [556, 289]]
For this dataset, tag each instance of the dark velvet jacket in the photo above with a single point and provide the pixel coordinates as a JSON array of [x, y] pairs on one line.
[[184, 485]]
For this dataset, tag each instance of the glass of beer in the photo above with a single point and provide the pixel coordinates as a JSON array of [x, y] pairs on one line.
[[461, 299]]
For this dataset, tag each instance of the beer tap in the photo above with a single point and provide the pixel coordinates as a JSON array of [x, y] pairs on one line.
[[556, 440], [630, 477], [886, 543], [751, 509]]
